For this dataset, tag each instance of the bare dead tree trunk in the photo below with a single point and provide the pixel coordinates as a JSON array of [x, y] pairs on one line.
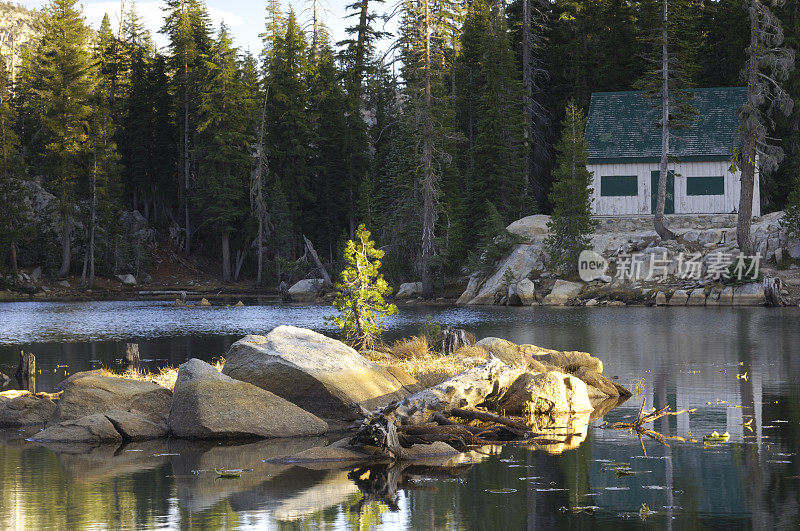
[[13, 258], [240, 255], [748, 163], [226, 257], [66, 231], [315, 34], [186, 171], [527, 85], [322, 271], [428, 184], [257, 201], [92, 224], [658, 221]]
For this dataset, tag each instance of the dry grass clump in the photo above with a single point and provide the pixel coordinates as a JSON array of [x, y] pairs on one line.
[[414, 347], [16, 393], [429, 368], [165, 377]]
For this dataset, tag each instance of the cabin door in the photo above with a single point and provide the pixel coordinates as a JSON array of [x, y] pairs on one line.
[[669, 203]]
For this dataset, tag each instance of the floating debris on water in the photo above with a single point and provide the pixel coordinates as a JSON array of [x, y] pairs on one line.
[[717, 437], [588, 509], [228, 474], [645, 511]]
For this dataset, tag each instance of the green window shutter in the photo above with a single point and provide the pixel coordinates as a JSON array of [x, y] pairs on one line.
[[705, 186], [619, 185]]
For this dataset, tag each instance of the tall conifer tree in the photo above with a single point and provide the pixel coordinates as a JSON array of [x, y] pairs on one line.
[[62, 83], [223, 146], [11, 192]]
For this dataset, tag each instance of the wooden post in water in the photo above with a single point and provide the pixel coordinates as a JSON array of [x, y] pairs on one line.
[[132, 354], [26, 371], [453, 339]]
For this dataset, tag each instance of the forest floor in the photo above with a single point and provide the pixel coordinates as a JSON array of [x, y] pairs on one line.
[[172, 277]]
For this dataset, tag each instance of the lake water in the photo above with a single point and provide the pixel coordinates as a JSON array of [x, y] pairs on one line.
[[687, 357]]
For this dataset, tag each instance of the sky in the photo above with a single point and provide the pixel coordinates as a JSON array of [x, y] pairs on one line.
[[244, 18]]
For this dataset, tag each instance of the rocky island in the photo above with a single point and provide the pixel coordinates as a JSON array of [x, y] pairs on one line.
[[294, 382]]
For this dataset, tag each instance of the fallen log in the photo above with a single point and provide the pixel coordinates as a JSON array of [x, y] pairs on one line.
[[472, 414], [378, 436], [468, 389], [321, 268]]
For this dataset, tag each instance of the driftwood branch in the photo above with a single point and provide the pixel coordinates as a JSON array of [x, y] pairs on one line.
[[322, 271], [647, 418]]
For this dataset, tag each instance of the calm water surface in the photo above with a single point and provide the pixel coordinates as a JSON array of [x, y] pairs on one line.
[[688, 358]]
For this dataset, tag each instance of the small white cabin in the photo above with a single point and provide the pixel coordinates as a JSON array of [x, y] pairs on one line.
[[625, 149]]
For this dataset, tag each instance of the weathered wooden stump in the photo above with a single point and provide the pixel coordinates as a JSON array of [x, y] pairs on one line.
[[131, 356], [452, 340], [378, 436], [26, 371], [772, 291]]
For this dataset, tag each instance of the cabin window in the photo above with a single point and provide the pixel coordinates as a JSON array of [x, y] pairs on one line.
[[619, 185], [705, 186]]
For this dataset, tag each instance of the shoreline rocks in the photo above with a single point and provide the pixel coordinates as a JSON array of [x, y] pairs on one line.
[[306, 290], [549, 393], [409, 290], [208, 404], [21, 408], [617, 239], [88, 393], [322, 375], [563, 291]]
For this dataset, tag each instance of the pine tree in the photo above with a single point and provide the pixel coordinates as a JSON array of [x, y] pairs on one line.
[[358, 64], [530, 19], [103, 168], [274, 30], [188, 28], [571, 223], [290, 133], [721, 52], [499, 156], [12, 215], [62, 83], [425, 49], [777, 187], [334, 206], [768, 64], [360, 292], [224, 137], [113, 63], [670, 26]]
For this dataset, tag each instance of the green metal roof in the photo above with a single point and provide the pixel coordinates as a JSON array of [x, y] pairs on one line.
[[623, 127]]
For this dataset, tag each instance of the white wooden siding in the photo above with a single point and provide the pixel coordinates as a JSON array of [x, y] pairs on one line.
[[701, 204]]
